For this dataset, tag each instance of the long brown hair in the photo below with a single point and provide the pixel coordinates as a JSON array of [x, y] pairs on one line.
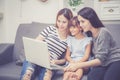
[[74, 22], [67, 13]]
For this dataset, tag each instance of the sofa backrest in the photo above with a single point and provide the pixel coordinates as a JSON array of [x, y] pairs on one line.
[[115, 30], [31, 30]]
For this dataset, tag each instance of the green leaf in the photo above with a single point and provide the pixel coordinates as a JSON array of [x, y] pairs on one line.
[[75, 2]]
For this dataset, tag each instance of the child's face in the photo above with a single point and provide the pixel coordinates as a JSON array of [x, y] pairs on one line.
[[74, 30]]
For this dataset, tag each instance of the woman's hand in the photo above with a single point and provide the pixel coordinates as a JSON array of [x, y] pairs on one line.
[[53, 61], [72, 67], [60, 61]]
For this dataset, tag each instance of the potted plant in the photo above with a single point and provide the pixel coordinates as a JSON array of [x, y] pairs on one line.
[[74, 3]]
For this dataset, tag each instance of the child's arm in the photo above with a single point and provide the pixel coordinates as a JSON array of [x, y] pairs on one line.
[[68, 57], [87, 53], [62, 61]]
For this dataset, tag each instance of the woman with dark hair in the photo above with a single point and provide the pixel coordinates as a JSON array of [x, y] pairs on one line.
[[106, 62], [56, 37]]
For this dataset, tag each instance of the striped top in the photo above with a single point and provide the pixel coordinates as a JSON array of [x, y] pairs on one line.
[[56, 46]]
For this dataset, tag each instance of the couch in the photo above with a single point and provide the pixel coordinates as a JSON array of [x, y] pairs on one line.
[[12, 54]]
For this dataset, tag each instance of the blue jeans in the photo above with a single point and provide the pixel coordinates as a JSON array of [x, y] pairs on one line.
[[38, 70]]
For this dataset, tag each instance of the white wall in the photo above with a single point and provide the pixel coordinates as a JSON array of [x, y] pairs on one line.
[[2, 28], [26, 11], [11, 19], [38, 11]]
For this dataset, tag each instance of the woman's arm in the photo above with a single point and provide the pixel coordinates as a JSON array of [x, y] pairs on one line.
[[60, 61], [45, 33], [40, 37], [87, 64], [91, 63]]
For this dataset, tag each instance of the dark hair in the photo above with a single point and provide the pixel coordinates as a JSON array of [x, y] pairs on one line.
[[67, 13], [74, 22], [89, 14]]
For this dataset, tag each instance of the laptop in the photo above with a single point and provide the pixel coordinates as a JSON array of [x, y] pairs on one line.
[[36, 51]]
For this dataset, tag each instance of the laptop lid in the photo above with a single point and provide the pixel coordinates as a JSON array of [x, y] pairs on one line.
[[36, 51]]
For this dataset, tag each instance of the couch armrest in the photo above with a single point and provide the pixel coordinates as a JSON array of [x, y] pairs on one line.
[[6, 53]]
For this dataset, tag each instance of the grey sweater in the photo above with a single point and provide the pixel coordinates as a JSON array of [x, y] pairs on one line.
[[104, 48]]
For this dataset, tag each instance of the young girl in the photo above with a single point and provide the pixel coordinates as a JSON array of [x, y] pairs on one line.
[[78, 50]]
